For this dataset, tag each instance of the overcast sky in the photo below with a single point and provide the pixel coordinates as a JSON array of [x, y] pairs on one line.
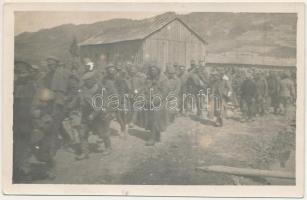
[[34, 21]]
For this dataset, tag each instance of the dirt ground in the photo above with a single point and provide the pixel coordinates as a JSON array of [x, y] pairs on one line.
[[186, 144]]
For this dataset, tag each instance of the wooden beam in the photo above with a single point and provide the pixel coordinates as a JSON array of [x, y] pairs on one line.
[[247, 172]]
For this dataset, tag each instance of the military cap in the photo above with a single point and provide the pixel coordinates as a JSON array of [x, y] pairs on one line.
[[128, 63], [53, 58], [153, 64], [88, 75], [35, 67], [170, 70], [119, 65], [110, 65], [214, 73], [21, 66]]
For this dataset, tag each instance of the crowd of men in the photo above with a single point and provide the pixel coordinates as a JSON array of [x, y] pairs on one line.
[[53, 106]]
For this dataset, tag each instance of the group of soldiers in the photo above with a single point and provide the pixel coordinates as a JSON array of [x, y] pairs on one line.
[[53, 105]]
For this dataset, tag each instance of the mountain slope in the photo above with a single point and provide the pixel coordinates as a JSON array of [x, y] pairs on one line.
[[271, 35]]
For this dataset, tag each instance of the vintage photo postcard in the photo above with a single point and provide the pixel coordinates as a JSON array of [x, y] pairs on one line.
[[154, 99]]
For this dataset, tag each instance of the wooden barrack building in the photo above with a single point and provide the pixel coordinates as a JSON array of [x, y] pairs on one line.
[[163, 39]]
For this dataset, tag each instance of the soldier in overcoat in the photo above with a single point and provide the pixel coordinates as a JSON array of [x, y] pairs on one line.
[[183, 77], [248, 97], [174, 85], [24, 90], [95, 117], [287, 93], [154, 113]]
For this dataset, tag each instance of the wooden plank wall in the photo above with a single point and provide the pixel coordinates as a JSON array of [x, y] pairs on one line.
[[173, 43], [114, 53]]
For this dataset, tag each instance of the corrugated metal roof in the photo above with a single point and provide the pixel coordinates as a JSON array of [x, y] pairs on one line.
[[138, 30]]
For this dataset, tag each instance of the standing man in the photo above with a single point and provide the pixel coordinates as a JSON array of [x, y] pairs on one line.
[[73, 123], [116, 86], [48, 113], [199, 83], [173, 84], [96, 121], [248, 97], [24, 90], [262, 91], [135, 83], [287, 93], [216, 84], [183, 77], [274, 90], [56, 81], [155, 114]]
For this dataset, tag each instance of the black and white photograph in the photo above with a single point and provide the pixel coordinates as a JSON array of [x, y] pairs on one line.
[[171, 97]]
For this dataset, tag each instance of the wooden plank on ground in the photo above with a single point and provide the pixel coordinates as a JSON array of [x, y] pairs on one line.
[[247, 172]]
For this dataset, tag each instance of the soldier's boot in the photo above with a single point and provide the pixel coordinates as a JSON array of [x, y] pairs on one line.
[[107, 151], [124, 134], [158, 136], [23, 172], [84, 151], [50, 173], [244, 118], [82, 156], [77, 149], [152, 139], [108, 148], [219, 121]]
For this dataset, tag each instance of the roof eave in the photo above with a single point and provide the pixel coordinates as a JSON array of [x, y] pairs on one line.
[[108, 43]]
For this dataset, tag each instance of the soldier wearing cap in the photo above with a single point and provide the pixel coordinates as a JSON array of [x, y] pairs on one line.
[[56, 82], [287, 92], [45, 139], [24, 90], [262, 92], [198, 82], [216, 97], [96, 121], [248, 97], [221, 90], [173, 85], [154, 118], [109, 80], [183, 77], [273, 81], [193, 66], [135, 82], [122, 114], [176, 66], [72, 123], [116, 85]]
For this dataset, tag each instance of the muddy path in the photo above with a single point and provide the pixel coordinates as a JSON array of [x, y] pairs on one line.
[[185, 145]]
